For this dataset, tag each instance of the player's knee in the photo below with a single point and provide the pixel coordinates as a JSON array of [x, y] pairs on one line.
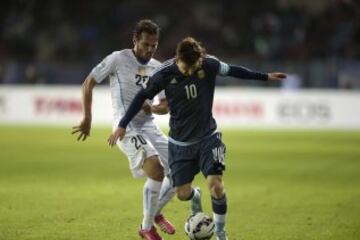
[[157, 176], [183, 193], [153, 168], [156, 173], [217, 190]]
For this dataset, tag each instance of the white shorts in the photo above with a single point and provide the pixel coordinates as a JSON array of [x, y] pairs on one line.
[[141, 143]]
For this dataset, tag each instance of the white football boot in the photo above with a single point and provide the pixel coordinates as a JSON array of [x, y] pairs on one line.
[[196, 201], [221, 235]]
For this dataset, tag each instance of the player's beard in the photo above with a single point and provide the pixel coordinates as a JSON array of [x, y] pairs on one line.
[[148, 56]]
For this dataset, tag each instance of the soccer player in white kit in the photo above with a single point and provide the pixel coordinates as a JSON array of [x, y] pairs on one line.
[[144, 144]]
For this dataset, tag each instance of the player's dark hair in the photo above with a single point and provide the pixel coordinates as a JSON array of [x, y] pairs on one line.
[[189, 51], [146, 26]]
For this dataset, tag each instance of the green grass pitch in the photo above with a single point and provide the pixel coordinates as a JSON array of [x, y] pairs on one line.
[[281, 185]]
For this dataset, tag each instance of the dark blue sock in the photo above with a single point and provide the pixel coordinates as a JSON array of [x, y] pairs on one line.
[[219, 206]]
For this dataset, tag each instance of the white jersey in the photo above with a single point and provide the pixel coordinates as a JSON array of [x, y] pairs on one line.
[[127, 76]]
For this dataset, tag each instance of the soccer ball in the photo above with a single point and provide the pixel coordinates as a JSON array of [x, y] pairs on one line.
[[199, 226]]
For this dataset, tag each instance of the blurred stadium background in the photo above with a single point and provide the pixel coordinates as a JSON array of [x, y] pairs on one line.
[[283, 183], [55, 42]]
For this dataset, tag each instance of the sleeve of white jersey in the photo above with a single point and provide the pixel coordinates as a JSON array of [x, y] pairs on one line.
[[104, 68]]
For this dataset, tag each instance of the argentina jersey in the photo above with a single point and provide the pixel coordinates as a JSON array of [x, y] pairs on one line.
[[190, 99]]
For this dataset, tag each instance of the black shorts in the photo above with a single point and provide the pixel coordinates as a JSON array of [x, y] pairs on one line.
[[185, 162]]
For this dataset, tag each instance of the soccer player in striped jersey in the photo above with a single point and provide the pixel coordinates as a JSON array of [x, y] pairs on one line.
[[194, 143], [144, 144]]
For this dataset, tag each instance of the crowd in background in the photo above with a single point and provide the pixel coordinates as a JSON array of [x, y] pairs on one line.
[[57, 42]]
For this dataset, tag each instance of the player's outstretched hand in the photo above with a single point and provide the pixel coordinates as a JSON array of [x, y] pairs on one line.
[[83, 129], [119, 133], [276, 76]]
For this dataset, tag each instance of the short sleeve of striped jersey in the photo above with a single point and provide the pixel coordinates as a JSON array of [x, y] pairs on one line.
[[104, 68], [223, 67]]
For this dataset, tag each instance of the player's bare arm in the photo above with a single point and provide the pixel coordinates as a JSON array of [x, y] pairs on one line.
[[119, 133], [85, 125], [147, 107], [161, 108]]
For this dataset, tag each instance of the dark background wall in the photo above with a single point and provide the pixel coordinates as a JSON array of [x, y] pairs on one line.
[[58, 42]]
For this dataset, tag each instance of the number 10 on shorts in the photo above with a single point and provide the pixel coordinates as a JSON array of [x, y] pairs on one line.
[[219, 154]]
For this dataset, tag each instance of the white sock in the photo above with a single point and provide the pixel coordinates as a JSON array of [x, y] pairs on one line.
[[167, 192], [219, 221], [150, 202]]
